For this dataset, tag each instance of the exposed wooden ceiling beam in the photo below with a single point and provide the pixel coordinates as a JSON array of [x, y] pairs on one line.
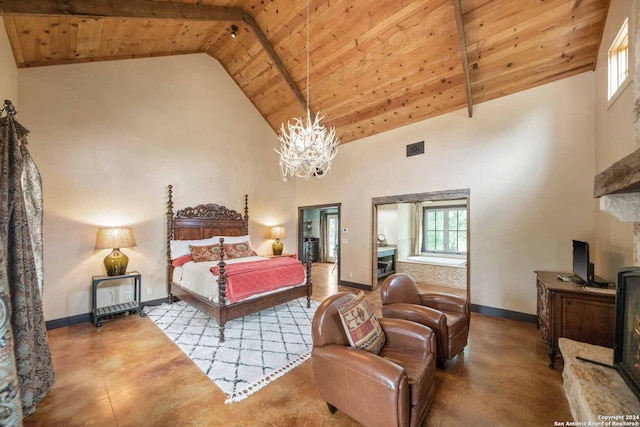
[[144, 9], [601, 34], [262, 38], [463, 52]]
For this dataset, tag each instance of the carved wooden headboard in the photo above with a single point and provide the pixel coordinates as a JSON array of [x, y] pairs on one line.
[[204, 221]]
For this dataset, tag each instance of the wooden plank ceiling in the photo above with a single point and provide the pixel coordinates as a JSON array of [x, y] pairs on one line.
[[374, 66]]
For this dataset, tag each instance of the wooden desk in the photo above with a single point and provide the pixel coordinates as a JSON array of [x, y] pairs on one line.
[[565, 309]]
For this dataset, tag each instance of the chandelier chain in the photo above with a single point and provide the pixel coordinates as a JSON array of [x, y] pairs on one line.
[[306, 147], [307, 49]]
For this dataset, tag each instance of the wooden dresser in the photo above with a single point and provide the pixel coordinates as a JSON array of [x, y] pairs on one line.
[[567, 310]]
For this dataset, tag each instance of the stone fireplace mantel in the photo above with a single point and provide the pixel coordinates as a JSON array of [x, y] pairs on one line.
[[618, 188]]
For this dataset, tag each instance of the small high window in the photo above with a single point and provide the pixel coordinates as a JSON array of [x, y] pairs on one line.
[[619, 59]]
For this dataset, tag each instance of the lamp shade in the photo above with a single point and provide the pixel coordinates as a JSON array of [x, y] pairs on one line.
[[115, 237], [278, 232]]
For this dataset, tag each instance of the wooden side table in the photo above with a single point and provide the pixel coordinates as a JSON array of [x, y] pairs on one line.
[[283, 254], [126, 307]]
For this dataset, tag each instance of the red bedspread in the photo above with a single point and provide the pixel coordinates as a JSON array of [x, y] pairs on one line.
[[250, 278]]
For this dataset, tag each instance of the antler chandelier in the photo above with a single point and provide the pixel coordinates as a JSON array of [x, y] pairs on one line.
[[308, 148]]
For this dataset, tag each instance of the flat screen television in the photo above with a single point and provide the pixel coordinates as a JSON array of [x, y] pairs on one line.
[[582, 268]]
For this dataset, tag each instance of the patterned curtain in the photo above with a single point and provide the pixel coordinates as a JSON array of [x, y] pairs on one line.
[[26, 372]]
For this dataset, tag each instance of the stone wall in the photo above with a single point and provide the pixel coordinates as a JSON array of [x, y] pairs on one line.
[[440, 275], [636, 241]]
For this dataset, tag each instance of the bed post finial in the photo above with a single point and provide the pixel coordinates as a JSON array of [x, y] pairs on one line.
[[246, 214]]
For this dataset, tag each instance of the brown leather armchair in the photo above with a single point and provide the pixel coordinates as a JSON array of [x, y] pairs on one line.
[[448, 315], [391, 388]]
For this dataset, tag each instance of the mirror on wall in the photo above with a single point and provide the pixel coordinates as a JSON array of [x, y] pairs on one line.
[[426, 236]]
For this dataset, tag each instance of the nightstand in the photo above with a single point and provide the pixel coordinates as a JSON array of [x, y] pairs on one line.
[[126, 307], [283, 254]]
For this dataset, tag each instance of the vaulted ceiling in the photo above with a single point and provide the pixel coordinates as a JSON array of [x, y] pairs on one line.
[[374, 65]]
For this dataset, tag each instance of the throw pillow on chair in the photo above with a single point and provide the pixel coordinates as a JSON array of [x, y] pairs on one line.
[[392, 388]]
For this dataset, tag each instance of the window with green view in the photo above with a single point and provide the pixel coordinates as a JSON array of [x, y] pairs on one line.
[[444, 230]]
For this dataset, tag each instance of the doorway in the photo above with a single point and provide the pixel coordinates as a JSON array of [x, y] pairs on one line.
[[331, 234], [409, 244], [318, 232]]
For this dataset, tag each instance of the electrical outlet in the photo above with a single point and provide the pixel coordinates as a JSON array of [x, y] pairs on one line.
[[350, 274], [127, 296], [149, 291]]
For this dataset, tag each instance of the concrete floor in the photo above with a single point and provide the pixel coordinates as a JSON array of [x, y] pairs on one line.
[[127, 373]]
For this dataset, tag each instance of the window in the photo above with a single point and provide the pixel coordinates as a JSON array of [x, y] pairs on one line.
[[619, 59], [444, 229]]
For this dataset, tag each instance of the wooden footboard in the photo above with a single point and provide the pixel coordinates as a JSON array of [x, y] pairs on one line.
[[224, 313]]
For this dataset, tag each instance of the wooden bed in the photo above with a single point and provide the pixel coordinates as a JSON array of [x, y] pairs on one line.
[[206, 221]]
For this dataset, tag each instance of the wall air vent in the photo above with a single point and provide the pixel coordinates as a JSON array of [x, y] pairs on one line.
[[415, 148]]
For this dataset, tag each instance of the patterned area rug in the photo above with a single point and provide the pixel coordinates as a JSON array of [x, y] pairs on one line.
[[258, 348]]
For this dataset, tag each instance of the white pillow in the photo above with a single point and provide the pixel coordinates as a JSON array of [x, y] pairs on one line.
[[181, 247]]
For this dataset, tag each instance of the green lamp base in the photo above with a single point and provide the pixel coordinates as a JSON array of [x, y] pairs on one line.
[[277, 247], [116, 263]]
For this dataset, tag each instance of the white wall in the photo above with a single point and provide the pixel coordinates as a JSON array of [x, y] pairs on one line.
[[388, 223], [108, 137], [406, 230], [614, 140], [8, 70], [528, 160]]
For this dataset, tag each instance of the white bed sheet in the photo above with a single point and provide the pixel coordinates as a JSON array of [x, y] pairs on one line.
[[197, 277]]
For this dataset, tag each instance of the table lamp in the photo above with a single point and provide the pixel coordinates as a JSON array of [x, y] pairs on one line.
[[278, 233], [115, 238]]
